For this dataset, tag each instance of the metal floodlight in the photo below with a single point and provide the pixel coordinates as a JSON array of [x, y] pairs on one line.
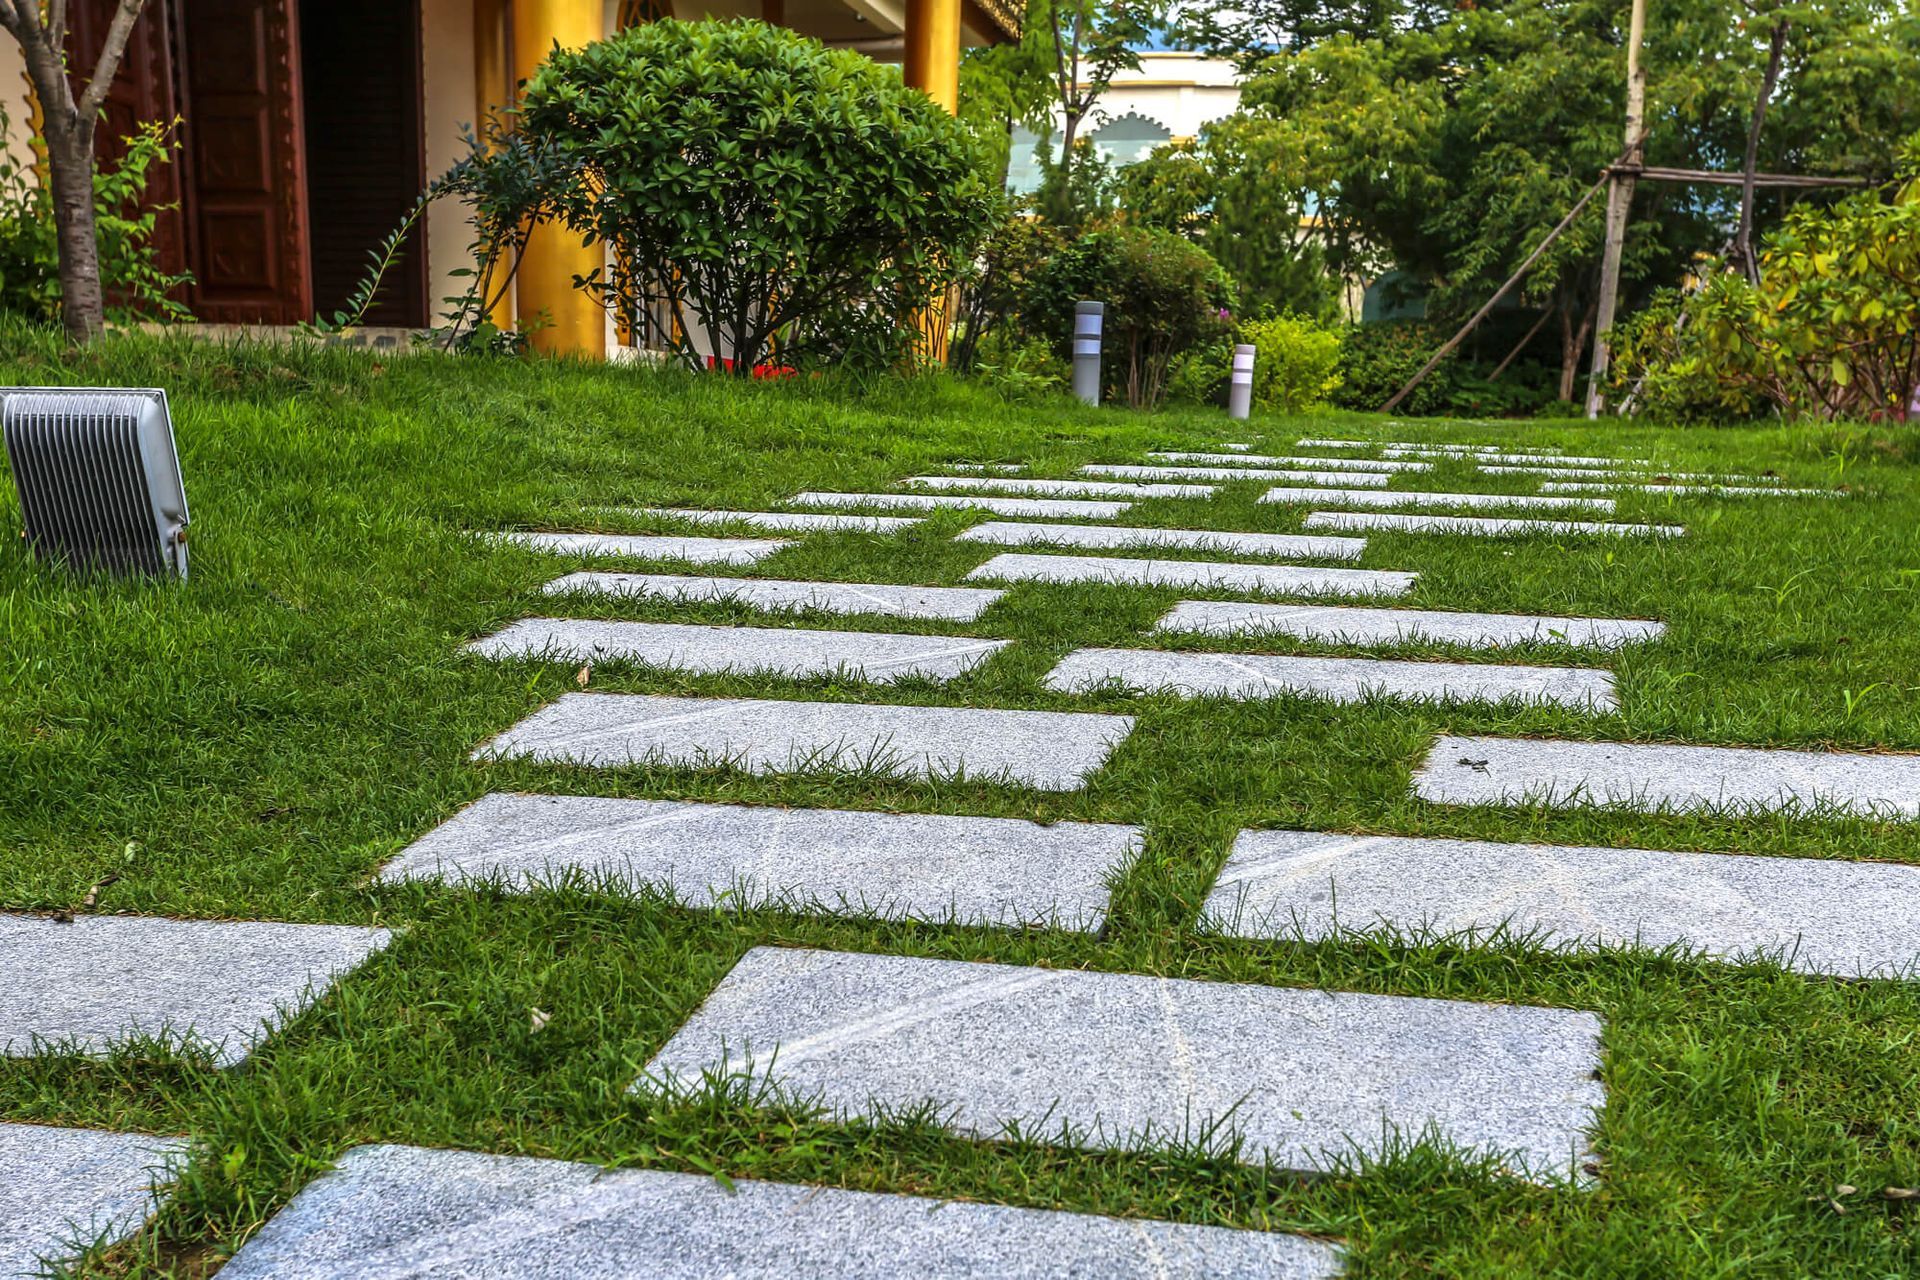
[[98, 476]]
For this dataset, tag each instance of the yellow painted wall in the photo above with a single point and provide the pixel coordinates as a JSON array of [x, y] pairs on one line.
[[15, 98], [447, 75]]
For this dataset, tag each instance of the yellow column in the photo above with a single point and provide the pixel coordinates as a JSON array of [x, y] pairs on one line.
[[933, 50], [577, 324]]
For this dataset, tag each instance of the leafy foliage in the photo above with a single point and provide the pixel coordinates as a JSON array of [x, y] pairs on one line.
[[1377, 359], [1163, 295], [1296, 362], [1091, 42], [995, 288], [758, 188], [1832, 330], [135, 286]]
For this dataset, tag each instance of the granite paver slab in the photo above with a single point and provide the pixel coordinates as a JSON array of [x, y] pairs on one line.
[[1817, 915], [974, 871], [785, 651], [1302, 1075], [1005, 533], [1263, 578], [396, 1213], [647, 546], [1482, 526], [955, 604], [1301, 463], [1353, 625], [1410, 498], [216, 984], [1554, 470], [1652, 776], [1259, 675], [1041, 508], [784, 521], [61, 1188], [1062, 488], [1492, 456], [1049, 750], [1362, 478], [1716, 490]]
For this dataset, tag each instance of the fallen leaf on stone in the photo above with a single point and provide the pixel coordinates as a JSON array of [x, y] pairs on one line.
[[540, 1020]]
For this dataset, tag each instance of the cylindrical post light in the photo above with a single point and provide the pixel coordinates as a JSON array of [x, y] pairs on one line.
[[1088, 317], [1240, 382]]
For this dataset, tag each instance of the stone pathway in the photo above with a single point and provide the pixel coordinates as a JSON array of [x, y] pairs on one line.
[[1656, 776], [853, 655], [1814, 915], [1268, 579], [952, 604], [1347, 624], [1410, 498], [1048, 750], [1363, 478], [1115, 538], [1716, 490], [389, 1212], [1301, 463], [63, 1189], [782, 521], [95, 982], [648, 546], [1482, 526], [1116, 1059], [1251, 675], [1064, 488], [970, 871], [1043, 508]]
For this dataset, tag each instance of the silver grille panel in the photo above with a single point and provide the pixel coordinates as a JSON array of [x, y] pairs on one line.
[[98, 477]]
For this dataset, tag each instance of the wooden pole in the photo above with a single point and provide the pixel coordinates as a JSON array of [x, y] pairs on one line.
[[1619, 206], [1743, 237]]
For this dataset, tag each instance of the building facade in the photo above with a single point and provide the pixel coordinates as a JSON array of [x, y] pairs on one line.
[[309, 127]]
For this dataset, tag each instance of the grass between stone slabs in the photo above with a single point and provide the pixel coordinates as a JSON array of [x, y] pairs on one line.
[[256, 742]]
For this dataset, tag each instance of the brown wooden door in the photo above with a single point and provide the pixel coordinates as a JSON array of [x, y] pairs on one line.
[[247, 213]]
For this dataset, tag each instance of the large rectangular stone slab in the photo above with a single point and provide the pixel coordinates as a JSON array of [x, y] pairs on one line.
[[1271, 579], [1300, 463], [1049, 750], [215, 985], [1483, 526], [647, 546], [783, 521], [63, 1189], [1260, 675], [1040, 508], [1302, 1076], [1004, 533], [1714, 490], [1062, 488], [1410, 498], [1239, 473], [954, 604], [1347, 624], [1651, 776], [1556, 471], [890, 866], [783, 651], [389, 1211], [1491, 457], [1815, 915]]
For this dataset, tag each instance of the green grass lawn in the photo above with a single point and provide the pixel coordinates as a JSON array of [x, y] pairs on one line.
[[255, 742]]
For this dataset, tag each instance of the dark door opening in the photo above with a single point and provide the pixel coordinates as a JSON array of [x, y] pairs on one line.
[[365, 152]]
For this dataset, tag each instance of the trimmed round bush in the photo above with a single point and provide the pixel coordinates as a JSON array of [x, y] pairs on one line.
[[758, 189]]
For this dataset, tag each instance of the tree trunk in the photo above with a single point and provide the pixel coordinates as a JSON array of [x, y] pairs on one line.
[[70, 181], [1573, 340]]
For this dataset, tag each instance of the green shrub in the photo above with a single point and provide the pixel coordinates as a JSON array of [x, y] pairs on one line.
[[1164, 295], [1377, 359], [130, 276], [1831, 331], [1296, 363], [758, 188]]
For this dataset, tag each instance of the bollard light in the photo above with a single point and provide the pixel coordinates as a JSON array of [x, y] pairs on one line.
[[1240, 382], [1088, 318]]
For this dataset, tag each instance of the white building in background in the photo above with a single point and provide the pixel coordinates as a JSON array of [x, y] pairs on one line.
[[1168, 99]]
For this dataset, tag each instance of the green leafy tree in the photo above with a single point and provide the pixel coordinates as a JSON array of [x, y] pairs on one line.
[[757, 187], [1250, 30], [1092, 41]]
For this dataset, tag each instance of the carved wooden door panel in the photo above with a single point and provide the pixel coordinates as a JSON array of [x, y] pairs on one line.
[[247, 216]]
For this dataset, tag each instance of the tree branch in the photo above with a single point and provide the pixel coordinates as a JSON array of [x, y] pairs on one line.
[[109, 62]]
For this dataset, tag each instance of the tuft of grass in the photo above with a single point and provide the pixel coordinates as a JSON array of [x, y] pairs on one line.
[[256, 742]]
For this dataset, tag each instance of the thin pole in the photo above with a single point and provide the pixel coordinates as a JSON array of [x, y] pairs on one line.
[[1619, 205]]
